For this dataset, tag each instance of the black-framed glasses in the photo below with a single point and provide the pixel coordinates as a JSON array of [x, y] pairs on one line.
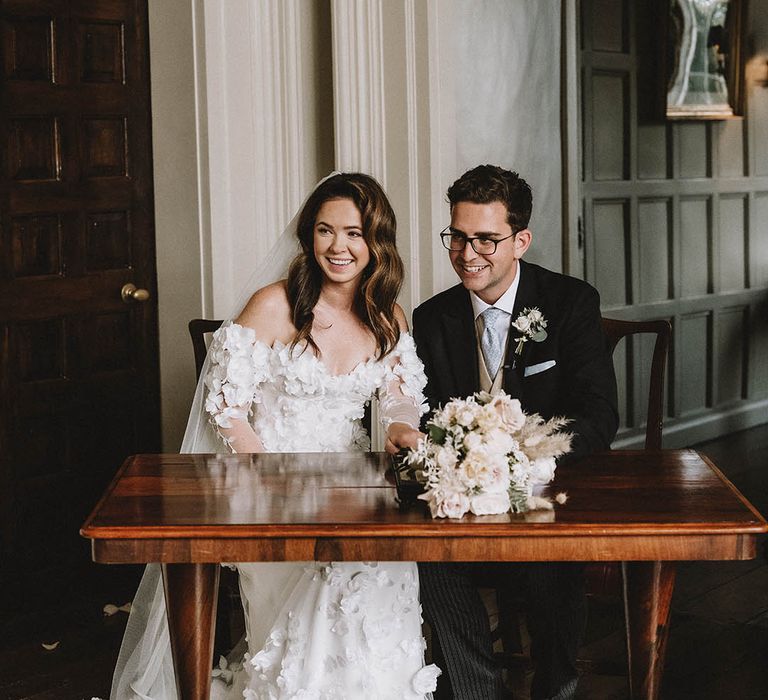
[[455, 240]]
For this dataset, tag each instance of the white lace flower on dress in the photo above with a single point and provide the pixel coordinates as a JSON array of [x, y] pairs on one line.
[[233, 378], [410, 370], [425, 680], [225, 671], [294, 404], [342, 640], [300, 369], [401, 398]]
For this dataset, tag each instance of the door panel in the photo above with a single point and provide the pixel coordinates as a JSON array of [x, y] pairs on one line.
[[78, 370]]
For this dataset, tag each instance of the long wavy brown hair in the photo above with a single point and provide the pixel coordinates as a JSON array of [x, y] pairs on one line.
[[382, 277]]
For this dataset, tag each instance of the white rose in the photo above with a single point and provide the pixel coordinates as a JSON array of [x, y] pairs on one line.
[[488, 419], [455, 505], [496, 479], [480, 466], [465, 416], [523, 323], [511, 412], [499, 442], [425, 679], [475, 462], [472, 441], [490, 503], [446, 457], [543, 470], [535, 315]]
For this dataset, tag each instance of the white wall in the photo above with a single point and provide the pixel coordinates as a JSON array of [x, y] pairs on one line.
[[270, 126], [181, 211], [507, 93]]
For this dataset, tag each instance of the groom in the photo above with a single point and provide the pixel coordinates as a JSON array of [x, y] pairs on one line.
[[464, 338]]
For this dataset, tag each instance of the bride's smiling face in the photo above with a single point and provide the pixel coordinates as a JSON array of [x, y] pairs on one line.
[[339, 245]]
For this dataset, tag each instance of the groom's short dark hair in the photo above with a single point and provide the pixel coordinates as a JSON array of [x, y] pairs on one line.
[[490, 183]]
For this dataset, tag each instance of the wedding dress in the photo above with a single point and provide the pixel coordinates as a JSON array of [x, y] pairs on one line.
[[325, 631]]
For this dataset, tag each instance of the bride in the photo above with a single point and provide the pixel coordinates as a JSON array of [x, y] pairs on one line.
[[292, 373]]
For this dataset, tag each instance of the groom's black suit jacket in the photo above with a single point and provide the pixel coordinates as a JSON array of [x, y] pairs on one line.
[[580, 386]]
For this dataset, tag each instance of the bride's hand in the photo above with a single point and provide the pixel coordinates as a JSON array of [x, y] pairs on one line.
[[402, 435]]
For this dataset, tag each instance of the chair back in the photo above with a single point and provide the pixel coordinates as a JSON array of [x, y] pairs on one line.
[[198, 327], [615, 330]]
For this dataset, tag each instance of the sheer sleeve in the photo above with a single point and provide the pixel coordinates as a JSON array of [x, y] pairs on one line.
[[401, 398], [238, 365]]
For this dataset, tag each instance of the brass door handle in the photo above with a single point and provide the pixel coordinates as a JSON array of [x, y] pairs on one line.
[[130, 292]]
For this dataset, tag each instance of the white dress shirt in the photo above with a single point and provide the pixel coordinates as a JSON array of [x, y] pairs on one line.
[[506, 302]]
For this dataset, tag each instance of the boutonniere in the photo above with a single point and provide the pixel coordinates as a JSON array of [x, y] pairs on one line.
[[531, 324]]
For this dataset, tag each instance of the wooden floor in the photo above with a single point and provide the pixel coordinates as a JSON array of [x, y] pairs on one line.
[[718, 646]]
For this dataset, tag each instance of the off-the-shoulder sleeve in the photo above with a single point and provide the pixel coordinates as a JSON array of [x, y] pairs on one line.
[[401, 399], [238, 365]]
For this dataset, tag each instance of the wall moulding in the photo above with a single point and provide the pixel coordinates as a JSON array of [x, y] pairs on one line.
[[358, 86]]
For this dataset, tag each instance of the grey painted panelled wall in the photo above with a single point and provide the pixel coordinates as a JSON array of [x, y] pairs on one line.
[[676, 226]]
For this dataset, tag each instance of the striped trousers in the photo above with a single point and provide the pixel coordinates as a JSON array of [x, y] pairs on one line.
[[556, 612]]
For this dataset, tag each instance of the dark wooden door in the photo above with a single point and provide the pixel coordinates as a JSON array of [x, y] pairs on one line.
[[78, 364]]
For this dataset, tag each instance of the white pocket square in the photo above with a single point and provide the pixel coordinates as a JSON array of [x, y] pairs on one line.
[[541, 367]]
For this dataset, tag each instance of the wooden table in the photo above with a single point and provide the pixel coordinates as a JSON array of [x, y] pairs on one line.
[[190, 512]]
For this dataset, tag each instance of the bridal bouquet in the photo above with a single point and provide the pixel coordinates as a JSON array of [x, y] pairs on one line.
[[484, 455]]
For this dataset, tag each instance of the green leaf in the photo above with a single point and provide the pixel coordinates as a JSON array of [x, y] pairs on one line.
[[518, 500], [436, 434], [539, 336]]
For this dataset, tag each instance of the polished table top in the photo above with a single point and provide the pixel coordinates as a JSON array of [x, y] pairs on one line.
[[622, 505]]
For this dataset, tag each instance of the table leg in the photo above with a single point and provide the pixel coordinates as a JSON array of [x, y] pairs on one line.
[[190, 599], [648, 588]]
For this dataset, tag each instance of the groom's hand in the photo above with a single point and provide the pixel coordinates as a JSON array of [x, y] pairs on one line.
[[402, 435]]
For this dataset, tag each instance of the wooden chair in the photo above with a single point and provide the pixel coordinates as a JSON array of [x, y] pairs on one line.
[[230, 624], [604, 579], [616, 330], [198, 327]]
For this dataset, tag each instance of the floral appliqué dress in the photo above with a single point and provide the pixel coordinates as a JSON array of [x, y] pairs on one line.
[[320, 631]]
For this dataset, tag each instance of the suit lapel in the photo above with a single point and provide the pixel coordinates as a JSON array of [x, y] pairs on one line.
[[528, 295], [459, 328]]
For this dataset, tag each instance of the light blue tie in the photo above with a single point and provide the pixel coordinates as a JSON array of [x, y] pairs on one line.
[[490, 343]]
